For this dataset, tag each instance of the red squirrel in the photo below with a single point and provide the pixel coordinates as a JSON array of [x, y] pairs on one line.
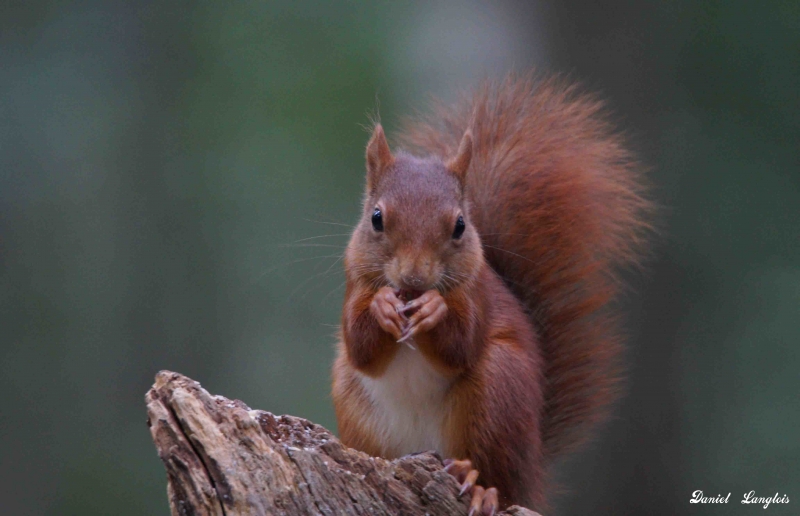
[[475, 319]]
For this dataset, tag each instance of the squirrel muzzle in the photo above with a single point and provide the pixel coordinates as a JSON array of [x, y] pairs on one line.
[[414, 272]]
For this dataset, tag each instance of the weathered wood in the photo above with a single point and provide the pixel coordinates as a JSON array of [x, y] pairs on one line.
[[222, 458]]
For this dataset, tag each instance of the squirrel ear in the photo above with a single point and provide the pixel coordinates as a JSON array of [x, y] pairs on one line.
[[459, 164], [379, 157]]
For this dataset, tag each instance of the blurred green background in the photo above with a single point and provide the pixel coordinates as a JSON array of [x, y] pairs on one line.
[[158, 159]]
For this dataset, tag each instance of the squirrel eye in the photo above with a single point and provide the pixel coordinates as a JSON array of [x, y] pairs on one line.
[[460, 227], [377, 220]]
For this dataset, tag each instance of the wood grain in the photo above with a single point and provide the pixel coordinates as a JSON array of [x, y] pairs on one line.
[[223, 458]]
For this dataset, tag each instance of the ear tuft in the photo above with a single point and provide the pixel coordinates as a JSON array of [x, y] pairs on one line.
[[460, 163], [379, 157]]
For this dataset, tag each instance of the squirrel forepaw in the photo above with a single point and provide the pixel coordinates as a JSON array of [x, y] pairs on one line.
[[387, 310], [484, 501], [426, 312]]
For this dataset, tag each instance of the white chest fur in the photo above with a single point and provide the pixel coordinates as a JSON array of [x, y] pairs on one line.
[[408, 405]]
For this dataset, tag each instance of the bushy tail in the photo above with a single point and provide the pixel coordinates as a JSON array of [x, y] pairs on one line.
[[558, 202]]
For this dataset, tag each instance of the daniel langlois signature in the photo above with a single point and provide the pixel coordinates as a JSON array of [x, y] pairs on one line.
[[748, 498]]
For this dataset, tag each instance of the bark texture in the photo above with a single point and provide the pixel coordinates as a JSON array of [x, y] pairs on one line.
[[223, 458]]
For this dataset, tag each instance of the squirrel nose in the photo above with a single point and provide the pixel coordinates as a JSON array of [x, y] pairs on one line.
[[413, 281]]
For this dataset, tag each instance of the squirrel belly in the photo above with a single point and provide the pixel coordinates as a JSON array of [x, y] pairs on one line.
[[406, 407]]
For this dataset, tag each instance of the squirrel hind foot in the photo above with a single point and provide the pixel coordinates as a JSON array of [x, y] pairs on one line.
[[484, 502]]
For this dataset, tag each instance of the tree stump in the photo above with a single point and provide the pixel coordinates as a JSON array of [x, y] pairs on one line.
[[223, 458]]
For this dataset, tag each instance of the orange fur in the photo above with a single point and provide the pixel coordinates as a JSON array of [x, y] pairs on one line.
[[527, 350]]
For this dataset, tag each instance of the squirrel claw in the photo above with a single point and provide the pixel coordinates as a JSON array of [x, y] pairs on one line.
[[411, 305], [484, 502], [405, 338], [407, 334], [469, 482]]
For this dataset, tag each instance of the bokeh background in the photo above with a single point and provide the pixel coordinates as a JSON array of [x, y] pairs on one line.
[[160, 159]]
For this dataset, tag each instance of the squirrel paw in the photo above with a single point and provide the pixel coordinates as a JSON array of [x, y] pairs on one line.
[[426, 311], [484, 501], [388, 311]]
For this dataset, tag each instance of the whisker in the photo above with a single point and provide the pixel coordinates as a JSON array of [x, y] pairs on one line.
[[317, 265], [304, 283], [376, 281], [363, 274], [365, 269], [321, 236], [503, 234], [450, 281], [356, 268], [274, 267], [331, 223], [332, 291], [509, 252], [313, 245], [334, 263]]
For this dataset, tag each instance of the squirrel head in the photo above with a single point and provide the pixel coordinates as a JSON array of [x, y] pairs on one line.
[[415, 232]]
